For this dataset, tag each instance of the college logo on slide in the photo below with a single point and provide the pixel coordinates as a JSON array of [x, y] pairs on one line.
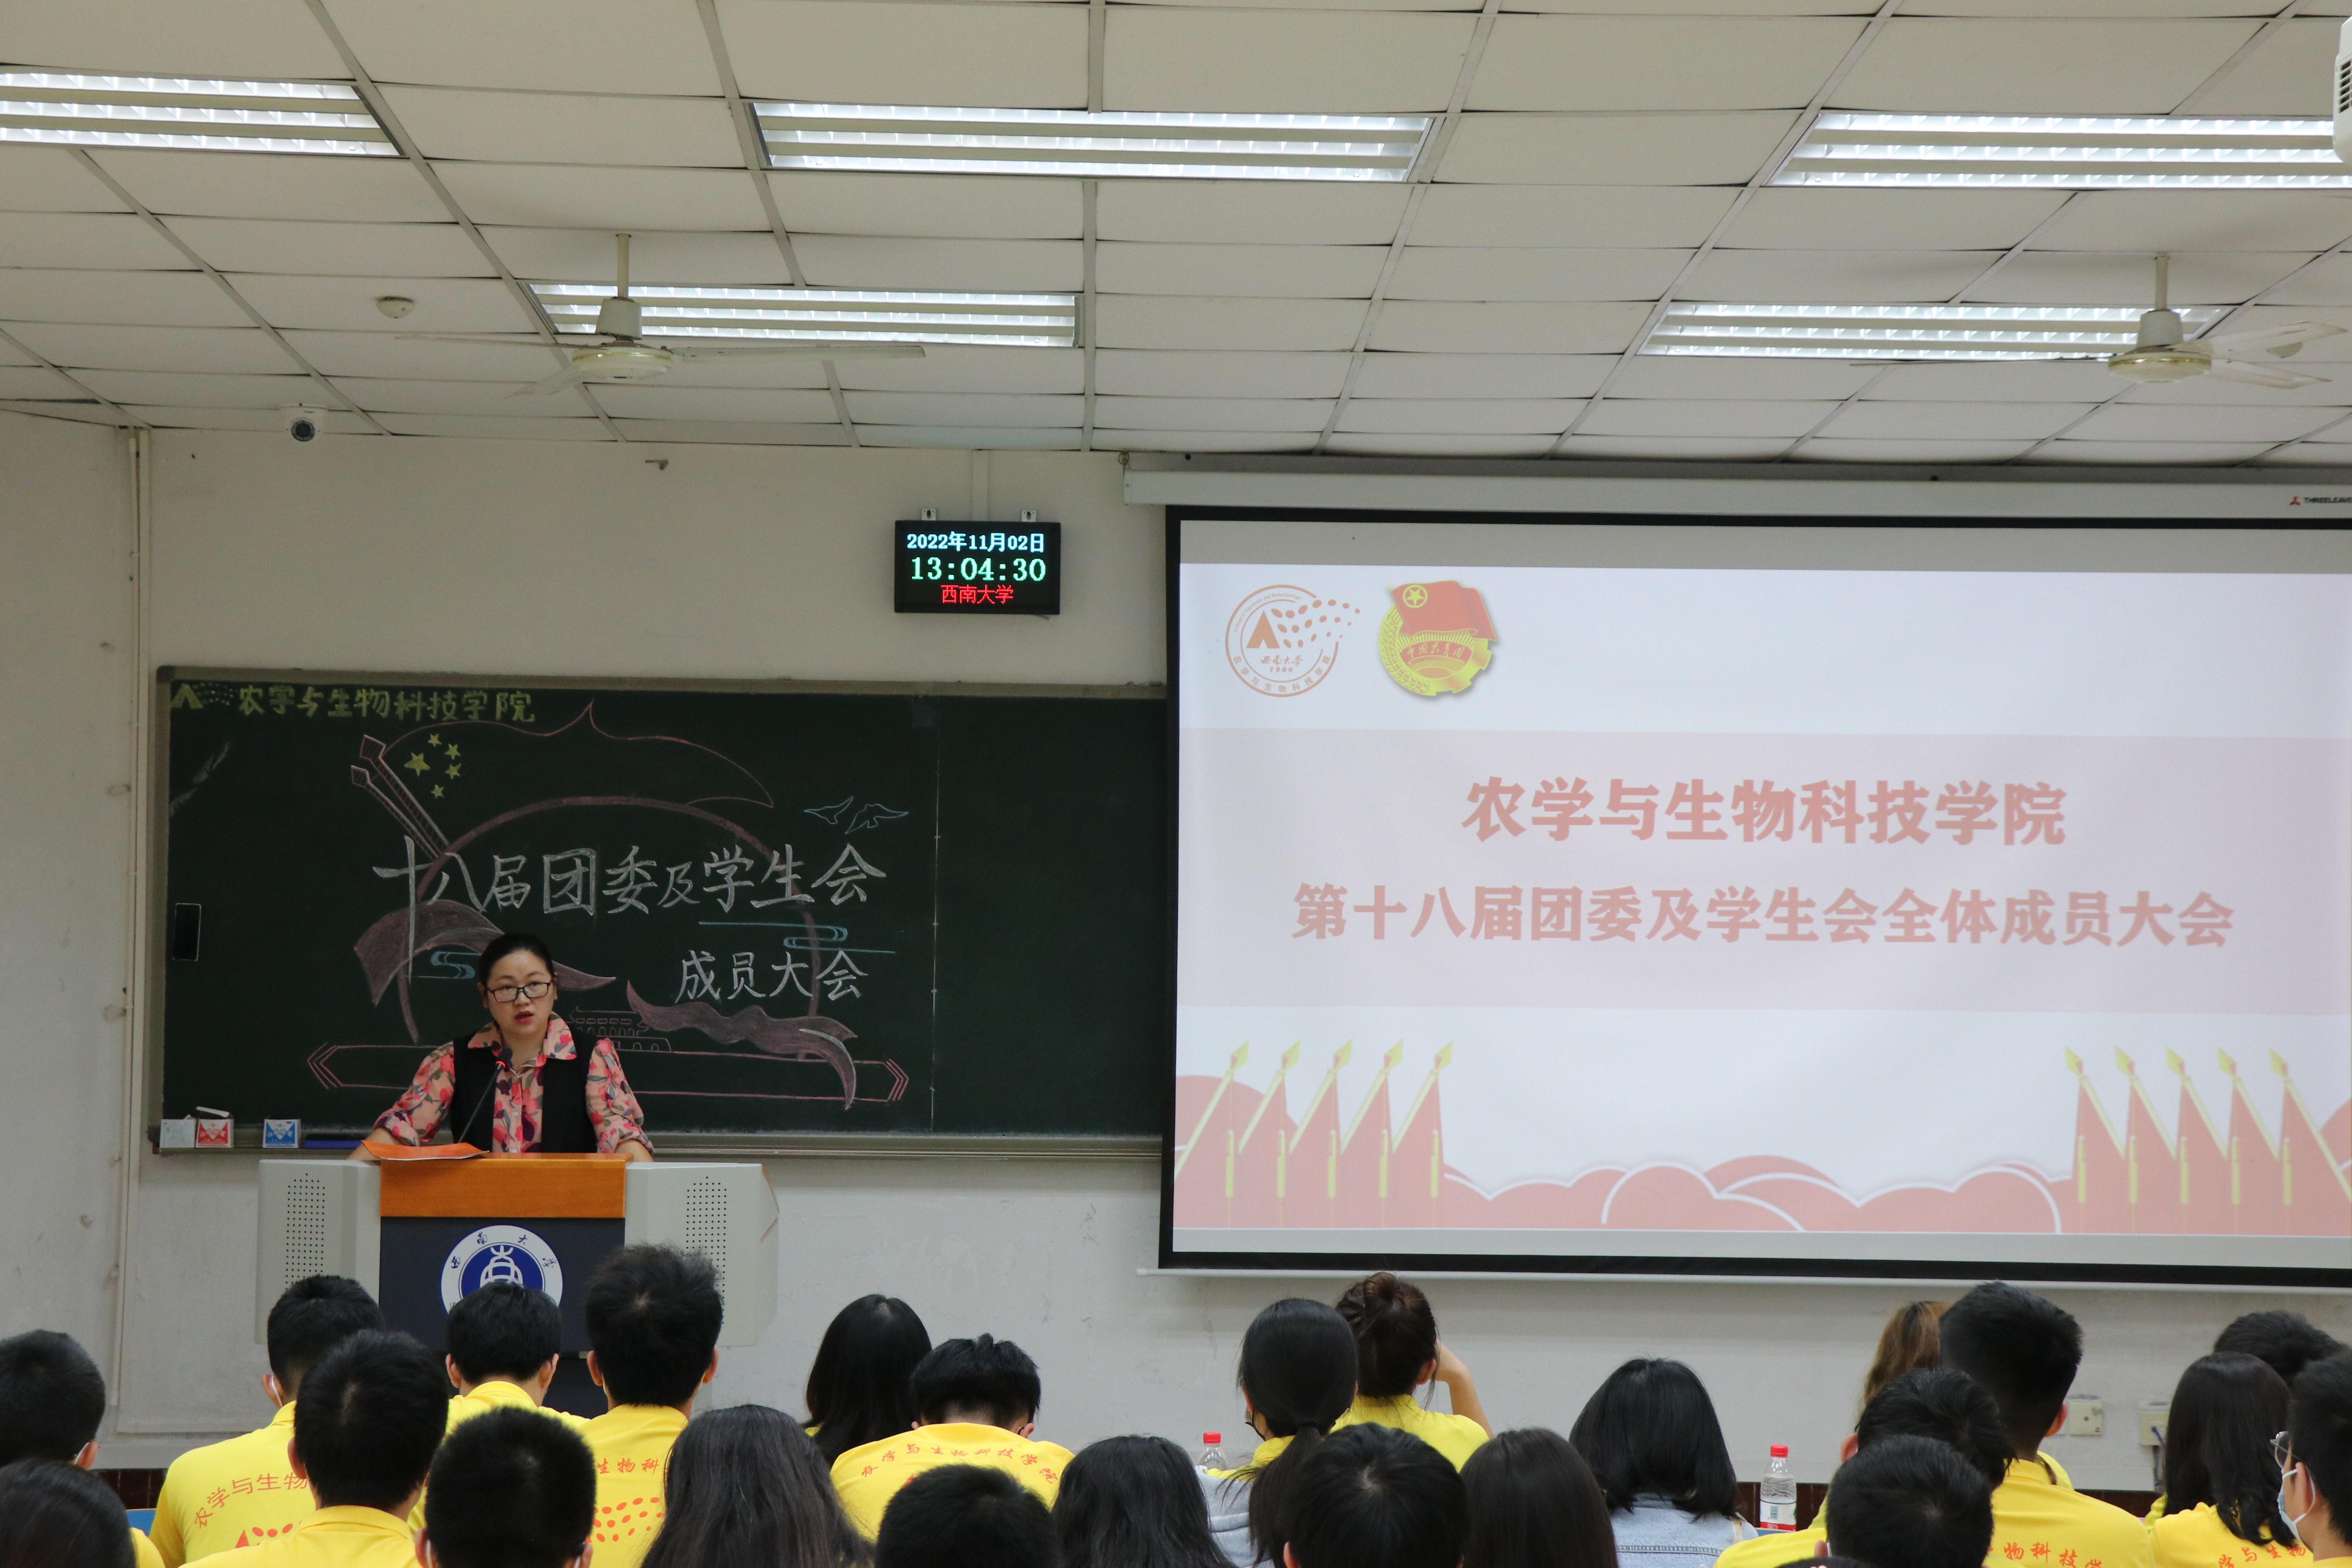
[[1283, 640], [500, 1254], [1437, 639]]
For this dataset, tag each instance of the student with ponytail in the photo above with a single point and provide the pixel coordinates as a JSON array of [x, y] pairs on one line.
[[1297, 1375], [1397, 1350]]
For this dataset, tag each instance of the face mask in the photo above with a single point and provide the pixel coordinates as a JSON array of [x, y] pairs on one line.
[[2294, 1521]]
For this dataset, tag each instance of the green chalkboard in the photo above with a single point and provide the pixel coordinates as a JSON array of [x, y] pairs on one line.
[[794, 911]]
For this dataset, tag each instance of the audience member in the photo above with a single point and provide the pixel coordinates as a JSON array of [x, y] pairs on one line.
[[1397, 1350], [2315, 1490], [1297, 1377], [52, 1400], [975, 1404], [965, 1516], [2023, 1349], [1374, 1496], [504, 1343], [2285, 1341], [1133, 1502], [1533, 1503], [242, 1492], [1909, 1343], [54, 1515], [654, 1315], [2221, 1483], [1910, 1502], [366, 1424], [749, 1489], [1650, 1434], [858, 1385], [510, 1490]]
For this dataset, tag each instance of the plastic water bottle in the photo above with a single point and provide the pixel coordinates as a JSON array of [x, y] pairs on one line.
[[1213, 1457], [1775, 1495]]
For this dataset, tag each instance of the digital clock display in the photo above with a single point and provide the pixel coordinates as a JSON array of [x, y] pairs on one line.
[[975, 569]]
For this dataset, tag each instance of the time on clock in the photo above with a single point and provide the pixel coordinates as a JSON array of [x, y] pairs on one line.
[[973, 569]]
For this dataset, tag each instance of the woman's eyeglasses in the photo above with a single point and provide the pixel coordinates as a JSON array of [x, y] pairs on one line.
[[530, 992], [2282, 1451]]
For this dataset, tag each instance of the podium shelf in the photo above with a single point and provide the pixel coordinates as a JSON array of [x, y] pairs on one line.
[[524, 1186]]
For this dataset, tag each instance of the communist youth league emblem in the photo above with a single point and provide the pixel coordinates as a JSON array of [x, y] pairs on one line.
[[1437, 638], [1282, 640]]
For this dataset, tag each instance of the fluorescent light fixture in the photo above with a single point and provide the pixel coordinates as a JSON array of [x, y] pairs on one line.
[[1104, 146], [1025, 321], [63, 108], [2067, 153], [1908, 332]]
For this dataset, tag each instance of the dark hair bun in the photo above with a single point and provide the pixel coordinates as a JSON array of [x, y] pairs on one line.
[[1396, 1334]]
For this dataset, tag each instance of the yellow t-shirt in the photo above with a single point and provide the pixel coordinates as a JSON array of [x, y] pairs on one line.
[[333, 1537], [142, 1551], [632, 1444], [494, 1394], [1774, 1547], [1455, 1437], [2198, 1539], [236, 1493], [2040, 1523], [867, 1478]]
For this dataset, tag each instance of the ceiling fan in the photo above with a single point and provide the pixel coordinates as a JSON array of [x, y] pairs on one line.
[[2161, 354], [618, 351]]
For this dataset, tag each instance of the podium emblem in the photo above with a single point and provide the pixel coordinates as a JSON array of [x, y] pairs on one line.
[[500, 1254]]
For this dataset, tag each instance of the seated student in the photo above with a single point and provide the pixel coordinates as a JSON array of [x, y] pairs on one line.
[[858, 1385], [52, 1399], [1650, 1434], [511, 1489], [2316, 1472], [366, 1424], [2221, 1484], [1133, 1502], [1297, 1378], [1534, 1504], [1374, 1496], [2285, 1341], [653, 1316], [2023, 1349], [1910, 1502], [1397, 1350], [504, 1343], [1909, 1343], [56, 1515], [975, 1404], [241, 1491], [965, 1516], [749, 1489]]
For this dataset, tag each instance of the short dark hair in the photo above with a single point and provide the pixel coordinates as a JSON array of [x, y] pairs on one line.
[[2287, 1342], [1650, 1427], [1534, 1504], [1948, 1405], [514, 1488], [504, 1330], [2022, 1349], [500, 947], [1133, 1502], [2217, 1436], [368, 1420], [1374, 1496], [52, 1396], [746, 1486], [653, 1316], [965, 1516], [984, 1376], [311, 1317], [56, 1515], [1910, 1502], [2319, 1428], [857, 1383], [1396, 1333]]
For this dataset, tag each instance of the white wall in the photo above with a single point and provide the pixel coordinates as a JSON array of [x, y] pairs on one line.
[[522, 558]]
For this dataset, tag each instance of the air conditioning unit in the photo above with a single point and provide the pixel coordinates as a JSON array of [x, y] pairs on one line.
[[2344, 91]]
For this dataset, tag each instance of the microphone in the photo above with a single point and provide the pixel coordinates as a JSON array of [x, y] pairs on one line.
[[501, 1060]]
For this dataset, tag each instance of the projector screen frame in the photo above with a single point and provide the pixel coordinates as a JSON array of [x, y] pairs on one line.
[[1697, 1265]]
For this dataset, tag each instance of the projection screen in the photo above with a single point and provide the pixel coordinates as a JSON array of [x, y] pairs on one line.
[[1688, 898]]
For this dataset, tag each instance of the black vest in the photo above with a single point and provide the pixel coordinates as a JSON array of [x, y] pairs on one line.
[[564, 1124]]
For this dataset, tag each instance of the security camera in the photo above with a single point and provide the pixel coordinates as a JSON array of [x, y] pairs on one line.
[[301, 423]]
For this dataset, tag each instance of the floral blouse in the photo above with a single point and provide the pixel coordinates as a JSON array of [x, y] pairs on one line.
[[515, 1119]]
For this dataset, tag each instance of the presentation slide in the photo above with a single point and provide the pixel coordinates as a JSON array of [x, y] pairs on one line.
[[1661, 898]]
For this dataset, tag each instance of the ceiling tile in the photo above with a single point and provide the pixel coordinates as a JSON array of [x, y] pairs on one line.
[[555, 195], [85, 411], [348, 304], [2147, 422], [1171, 374], [726, 402], [1455, 272], [144, 299], [181, 389], [1812, 219], [32, 380], [1656, 62], [1202, 440], [2328, 282], [495, 399], [1834, 277], [1158, 321], [2029, 381], [1673, 449], [993, 410], [2148, 454], [2285, 75], [781, 372], [882, 51], [985, 266], [1429, 326], [1482, 375], [1259, 271], [139, 38], [1822, 449], [388, 355], [1662, 376], [655, 256], [217, 348], [2118, 10], [731, 433], [2082, 277], [1613, 149], [95, 240], [2036, 65], [1712, 7], [1464, 417], [1291, 413], [2147, 221], [1569, 214], [1281, 62], [2304, 454], [1657, 416], [970, 437], [585, 427], [972, 207], [2334, 392], [257, 184], [949, 367], [1441, 444], [348, 250], [333, 422], [555, 45], [567, 128], [1245, 212], [51, 179], [1902, 419]]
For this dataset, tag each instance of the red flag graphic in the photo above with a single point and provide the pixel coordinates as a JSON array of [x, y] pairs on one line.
[[1313, 1176], [1417, 1168], [1441, 607], [2253, 1162], [1260, 1176], [2151, 1175], [2313, 1197], [2203, 1161], [2099, 1203], [1365, 1147]]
